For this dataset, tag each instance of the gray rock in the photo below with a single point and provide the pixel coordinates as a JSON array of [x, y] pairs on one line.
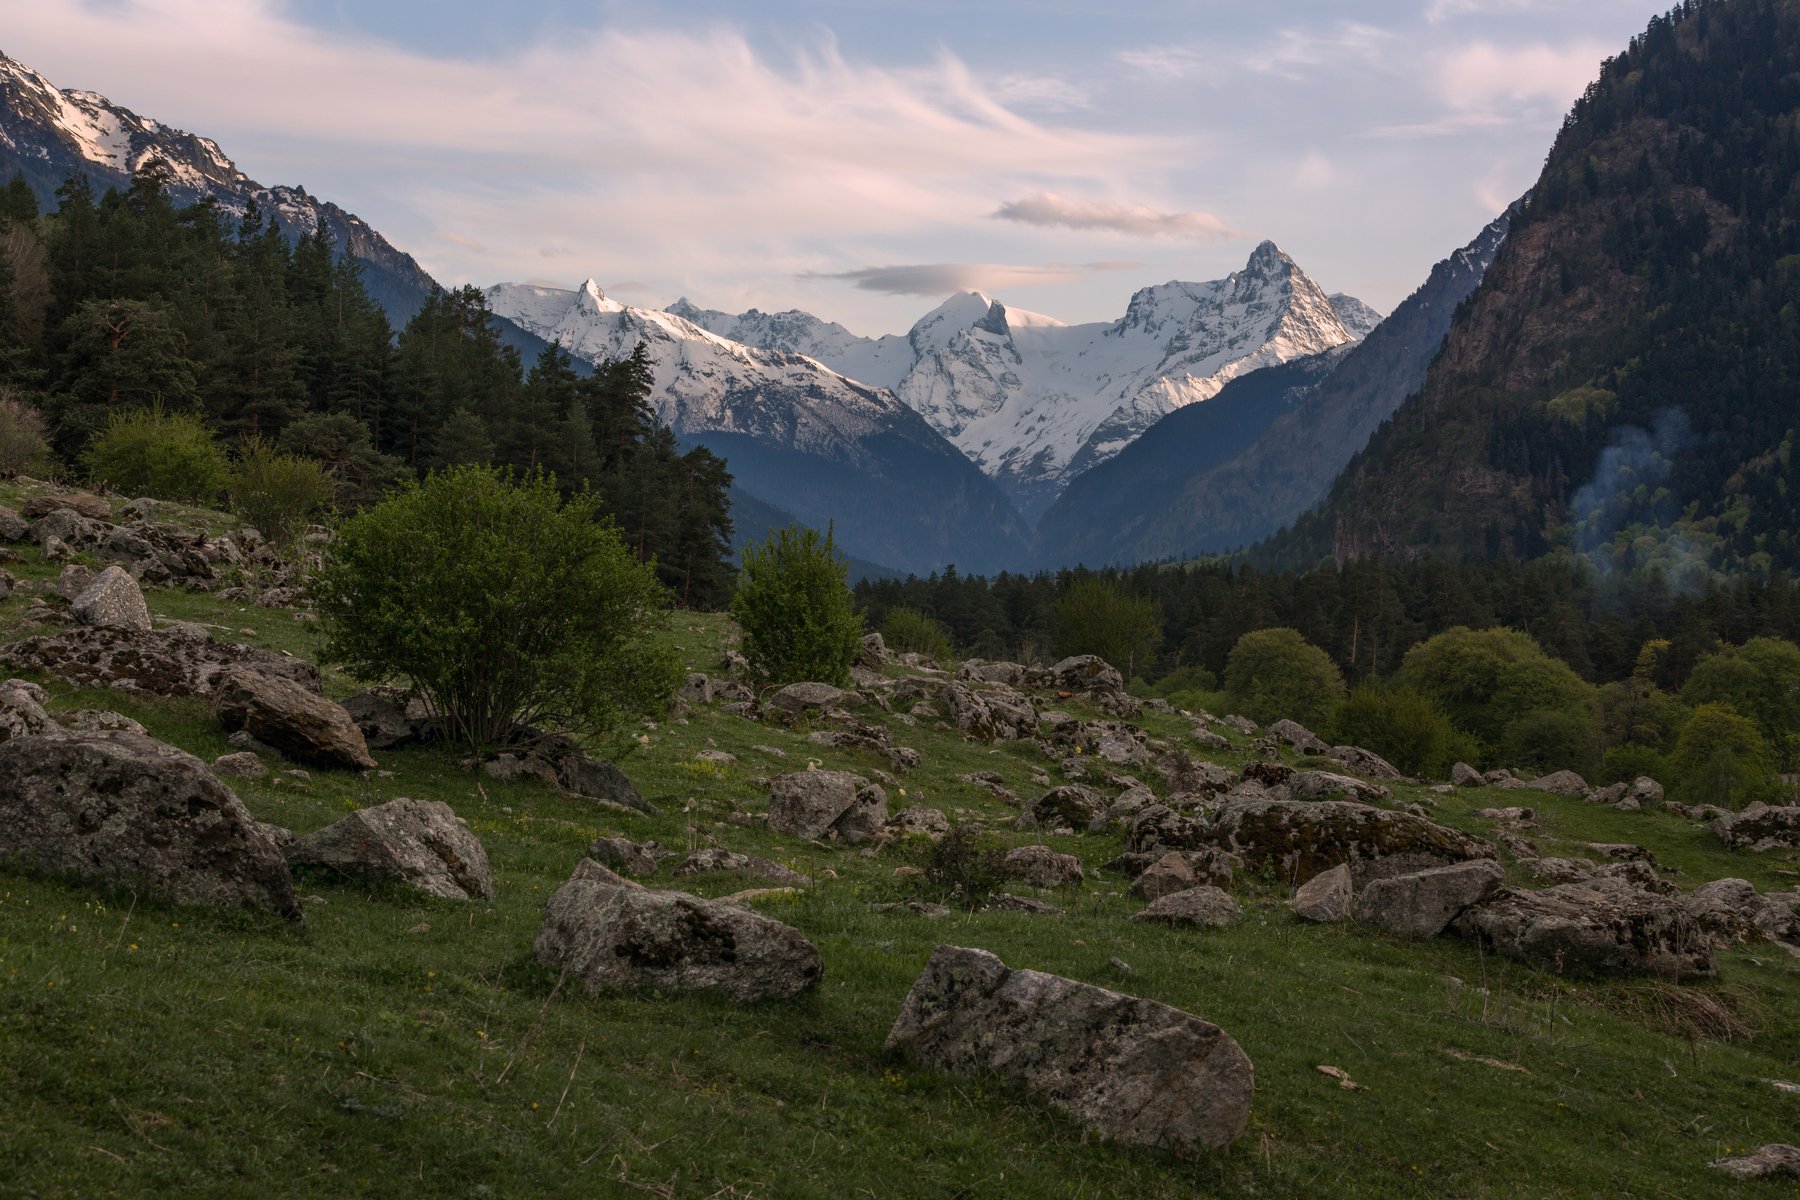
[[616, 936], [1168, 875], [719, 861], [158, 663], [698, 689], [625, 856], [1124, 1068], [1463, 775], [1122, 747], [1299, 737], [999, 715], [385, 719], [1564, 783], [797, 699], [1760, 827], [1774, 1161], [22, 711], [83, 503], [1558, 870], [1423, 903], [239, 765], [1040, 866], [302, 725], [919, 822], [74, 580], [128, 811], [1326, 897], [1327, 785], [1596, 927], [717, 758], [814, 804], [421, 843], [873, 653], [1086, 673], [1007, 902], [1512, 815], [1072, 806], [1364, 762], [13, 527], [975, 670], [1205, 906]]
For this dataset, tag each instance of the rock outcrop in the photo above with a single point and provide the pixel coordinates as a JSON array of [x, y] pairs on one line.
[[302, 725], [1596, 927], [420, 843], [1423, 903], [813, 804]]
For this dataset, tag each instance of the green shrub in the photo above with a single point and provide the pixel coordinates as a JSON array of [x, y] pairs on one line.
[[1181, 681], [500, 604], [276, 493], [1407, 729], [1761, 680], [1273, 674], [342, 445], [1094, 617], [1487, 679], [1552, 739], [1623, 764], [1720, 758], [966, 867], [24, 436], [909, 631], [1636, 712], [163, 455], [793, 603]]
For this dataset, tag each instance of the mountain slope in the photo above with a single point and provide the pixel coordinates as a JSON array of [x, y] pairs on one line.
[[1208, 503], [1035, 402], [797, 435], [1623, 379]]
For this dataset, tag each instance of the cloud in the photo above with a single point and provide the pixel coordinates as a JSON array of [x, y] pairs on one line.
[[1439, 11], [1049, 209], [939, 279], [1484, 77], [1290, 54]]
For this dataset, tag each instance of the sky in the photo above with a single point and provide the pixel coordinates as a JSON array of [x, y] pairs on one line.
[[863, 159]]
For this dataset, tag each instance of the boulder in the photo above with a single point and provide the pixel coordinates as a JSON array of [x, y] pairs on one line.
[[1326, 897], [1327, 785], [797, 699], [1423, 903], [1595, 927], [975, 670], [162, 664], [1774, 1161], [1205, 906], [714, 860], [22, 711], [1122, 746], [302, 725], [612, 935], [815, 804], [1072, 806], [998, 715], [1760, 827], [1364, 762], [1168, 875], [13, 527], [1463, 775], [1733, 910], [241, 764], [625, 856], [112, 601], [1298, 737], [1563, 783], [90, 506], [420, 843], [126, 810], [872, 655], [1085, 673], [385, 718], [919, 822], [1040, 866], [1124, 1068], [697, 689]]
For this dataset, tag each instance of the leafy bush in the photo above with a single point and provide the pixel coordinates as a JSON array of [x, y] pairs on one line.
[[500, 604], [1407, 729], [1720, 758], [1552, 739], [1273, 674], [966, 867], [909, 631], [793, 604], [1094, 617], [24, 436], [275, 492], [342, 445], [164, 455], [1636, 712], [1623, 764], [1485, 680], [1761, 680]]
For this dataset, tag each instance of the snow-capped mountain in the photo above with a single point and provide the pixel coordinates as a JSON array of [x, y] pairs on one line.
[[1035, 402], [797, 434]]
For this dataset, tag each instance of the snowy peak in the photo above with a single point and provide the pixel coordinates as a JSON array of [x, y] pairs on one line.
[[1359, 318], [933, 331], [590, 299]]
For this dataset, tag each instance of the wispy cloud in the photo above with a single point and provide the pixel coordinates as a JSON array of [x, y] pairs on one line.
[[1139, 220], [938, 279], [1439, 11], [1289, 54]]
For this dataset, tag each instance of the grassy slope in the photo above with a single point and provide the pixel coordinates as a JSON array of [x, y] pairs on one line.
[[399, 1046]]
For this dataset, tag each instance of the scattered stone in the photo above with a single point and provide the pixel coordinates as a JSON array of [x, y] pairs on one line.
[[112, 600], [1760, 828], [1131, 1070], [302, 725], [613, 935], [1596, 927], [241, 765], [1007, 902], [797, 699], [1463, 775], [1000, 715], [919, 908], [1507, 816], [1326, 897], [1564, 783], [421, 843], [1040, 866], [919, 822], [1423, 903], [1205, 906], [717, 758], [813, 804], [1774, 1161], [160, 663], [128, 811], [711, 861], [1072, 806], [1299, 738]]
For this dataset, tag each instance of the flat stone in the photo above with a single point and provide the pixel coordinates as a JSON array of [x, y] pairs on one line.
[[1422, 903], [1205, 906]]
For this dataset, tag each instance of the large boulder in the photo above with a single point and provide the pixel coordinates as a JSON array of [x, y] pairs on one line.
[[1563, 783], [976, 670], [1423, 903], [1326, 897], [999, 715], [126, 810], [798, 699], [162, 664], [1124, 1068], [1073, 806], [1364, 762], [22, 711], [302, 725], [420, 843], [1299, 738], [1085, 673], [1040, 866], [1205, 906], [1760, 827], [814, 804], [1463, 775], [1595, 927], [1298, 839], [84, 503], [1328, 785], [112, 601], [382, 716], [613, 935]]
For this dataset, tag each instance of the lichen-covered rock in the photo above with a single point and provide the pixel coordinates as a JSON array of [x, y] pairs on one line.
[[421, 843], [919, 822], [1774, 1161], [112, 600], [613, 935], [302, 725], [1760, 827], [813, 804], [1299, 737], [1328, 785], [84, 503], [1085, 673], [1423, 903], [997, 715], [1040, 866], [976, 670], [1596, 927], [1298, 839], [128, 811], [1073, 806], [1167, 875], [715, 860], [22, 711], [1124, 1068], [162, 664], [1205, 906], [1364, 762], [241, 764], [1463, 775], [797, 699], [1326, 897], [1564, 783], [625, 856]]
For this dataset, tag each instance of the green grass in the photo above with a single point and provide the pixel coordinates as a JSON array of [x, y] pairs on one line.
[[400, 1046]]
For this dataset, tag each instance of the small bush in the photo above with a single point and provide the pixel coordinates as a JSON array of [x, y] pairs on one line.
[[1720, 758], [1275, 674], [163, 455], [966, 868], [341, 444], [793, 603], [500, 604], [1623, 764], [1181, 681], [909, 631], [1551, 739], [276, 493], [1094, 617], [1407, 729], [24, 436]]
